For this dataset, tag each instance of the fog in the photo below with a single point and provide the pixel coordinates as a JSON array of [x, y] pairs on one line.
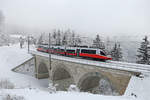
[[86, 17]]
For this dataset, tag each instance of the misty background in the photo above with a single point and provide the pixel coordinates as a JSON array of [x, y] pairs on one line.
[[123, 21]]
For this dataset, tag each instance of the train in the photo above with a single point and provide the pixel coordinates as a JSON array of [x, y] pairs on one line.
[[84, 52]]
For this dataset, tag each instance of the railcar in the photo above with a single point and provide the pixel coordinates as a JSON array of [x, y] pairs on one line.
[[75, 51]]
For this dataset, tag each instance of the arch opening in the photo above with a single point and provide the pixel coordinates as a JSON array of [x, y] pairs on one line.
[[62, 78], [97, 84], [43, 71], [60, 74], [90, 84]]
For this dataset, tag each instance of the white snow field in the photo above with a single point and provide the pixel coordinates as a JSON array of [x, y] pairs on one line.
[[33, 89]]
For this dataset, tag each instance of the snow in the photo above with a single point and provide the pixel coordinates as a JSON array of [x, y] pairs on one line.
[[37, 94], [17, 36], [34, 89], [10, 57], [139, 87], [27, 68]]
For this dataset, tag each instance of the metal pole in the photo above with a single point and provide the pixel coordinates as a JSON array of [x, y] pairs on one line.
[[49, 50]]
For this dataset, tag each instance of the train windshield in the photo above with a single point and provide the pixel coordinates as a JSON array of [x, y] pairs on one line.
[[102, 53]]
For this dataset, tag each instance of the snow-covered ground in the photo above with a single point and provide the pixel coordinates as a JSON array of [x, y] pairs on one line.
[[34, 89]]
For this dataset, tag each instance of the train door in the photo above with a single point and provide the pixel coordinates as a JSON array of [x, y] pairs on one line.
[[78, 52]]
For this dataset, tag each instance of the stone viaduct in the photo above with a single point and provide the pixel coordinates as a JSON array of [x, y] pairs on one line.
[[85, 76]]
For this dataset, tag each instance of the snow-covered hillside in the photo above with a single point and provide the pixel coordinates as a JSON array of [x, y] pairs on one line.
[[34, 89]]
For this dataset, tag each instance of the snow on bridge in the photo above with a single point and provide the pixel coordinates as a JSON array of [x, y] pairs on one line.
[[132, 67]]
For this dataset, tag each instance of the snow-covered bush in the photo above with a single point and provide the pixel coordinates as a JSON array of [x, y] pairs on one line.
[[12, 97], [105, 87], [6, 84], [73, 88], [51, 87]]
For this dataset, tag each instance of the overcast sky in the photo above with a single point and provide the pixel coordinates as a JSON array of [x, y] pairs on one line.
[[84, 16]]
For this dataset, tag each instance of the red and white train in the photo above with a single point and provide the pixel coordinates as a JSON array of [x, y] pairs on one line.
[[75, 51]]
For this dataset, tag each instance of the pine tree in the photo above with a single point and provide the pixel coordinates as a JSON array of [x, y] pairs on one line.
[[144, 52], [116, 53], [1, 20], [40, 40], [72, 39], [54, 37], [78, 41], [64, 40], [97, 43], [58, 38]]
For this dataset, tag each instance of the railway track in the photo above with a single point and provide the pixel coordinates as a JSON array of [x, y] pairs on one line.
[[108, 64]]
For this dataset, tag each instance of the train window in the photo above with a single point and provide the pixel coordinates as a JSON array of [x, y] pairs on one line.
[[62, 50], [39, 46], [102, 53], [45, 47], [88, 51], [71, 51]]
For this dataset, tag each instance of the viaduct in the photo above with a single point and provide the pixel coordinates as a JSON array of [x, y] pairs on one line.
[[85, 74]]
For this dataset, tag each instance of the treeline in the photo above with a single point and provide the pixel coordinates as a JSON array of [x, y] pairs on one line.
[[60, 37], [70, 38]]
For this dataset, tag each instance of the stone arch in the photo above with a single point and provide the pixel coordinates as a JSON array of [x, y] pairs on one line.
[[90, 82], [43, 70], [62, 76]]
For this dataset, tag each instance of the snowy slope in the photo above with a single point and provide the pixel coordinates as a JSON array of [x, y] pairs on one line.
[[10, 57], [139, 87]]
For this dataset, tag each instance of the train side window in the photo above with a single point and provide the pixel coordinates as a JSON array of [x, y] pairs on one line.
[[102, 53], [62, 50], [39, 46], [71, 51], [88, 51]]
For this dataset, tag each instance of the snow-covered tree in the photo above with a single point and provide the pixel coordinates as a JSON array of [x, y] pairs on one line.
[[58, 38], [6, 84], [40, 40], [144, 52], [106, 88], [1, 20], [4, 38], [72, 39], [21, 40], [54, 35], [12, 97], [108, 46], [116, 52], [78, 41], [51, 87], [73, 88], [97, 43], [64, 39]]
